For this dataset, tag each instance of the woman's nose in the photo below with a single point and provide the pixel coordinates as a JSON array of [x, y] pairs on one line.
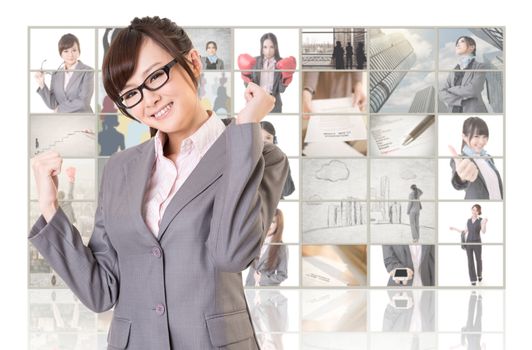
[[151, 98]]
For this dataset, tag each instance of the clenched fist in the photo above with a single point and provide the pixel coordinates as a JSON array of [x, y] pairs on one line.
[[465, 168], [258, 104], [46, 166]]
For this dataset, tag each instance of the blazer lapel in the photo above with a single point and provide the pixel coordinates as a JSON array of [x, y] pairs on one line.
[[137, 173], [209, 168]]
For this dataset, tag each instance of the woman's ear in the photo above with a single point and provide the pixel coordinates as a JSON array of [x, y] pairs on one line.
[[195, 59]]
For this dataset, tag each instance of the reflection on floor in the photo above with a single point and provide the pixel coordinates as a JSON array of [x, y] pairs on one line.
[[310, 319]]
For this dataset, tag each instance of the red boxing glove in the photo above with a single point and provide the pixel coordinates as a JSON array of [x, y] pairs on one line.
[[289, 64], [246, 62]]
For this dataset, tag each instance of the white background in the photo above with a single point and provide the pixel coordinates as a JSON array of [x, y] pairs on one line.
[[14, 25], [452, 319]]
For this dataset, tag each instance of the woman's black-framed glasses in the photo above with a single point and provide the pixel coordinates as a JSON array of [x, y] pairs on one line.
[[153, 82]]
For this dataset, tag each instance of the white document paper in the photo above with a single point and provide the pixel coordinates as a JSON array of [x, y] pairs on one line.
[[335, 105], [335, 128], [389, 133]]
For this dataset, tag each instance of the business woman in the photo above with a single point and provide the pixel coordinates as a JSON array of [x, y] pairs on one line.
[[271, 268], [474, 226], [417, 259], [212, 61], [462, 91], [180, 215], [270, 71], [414, 207], [72, 86], [474, 170], [269, 136]]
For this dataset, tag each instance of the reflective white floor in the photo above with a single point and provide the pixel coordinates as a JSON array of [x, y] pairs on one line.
[[310, 319]]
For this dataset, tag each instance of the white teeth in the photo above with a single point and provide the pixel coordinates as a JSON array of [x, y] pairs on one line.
[[163, 111]]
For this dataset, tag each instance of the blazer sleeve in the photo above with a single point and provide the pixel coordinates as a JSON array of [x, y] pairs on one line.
[[275, 277], [90, 271], [457, 183], [82, 102], [450, 99], [391, 261], [250, 189], [47, 95], [471, 89]]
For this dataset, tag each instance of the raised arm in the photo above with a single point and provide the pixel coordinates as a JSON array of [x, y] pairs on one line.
[[90, 271]]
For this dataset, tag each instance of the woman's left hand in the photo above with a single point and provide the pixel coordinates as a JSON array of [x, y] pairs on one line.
[[258, 104]]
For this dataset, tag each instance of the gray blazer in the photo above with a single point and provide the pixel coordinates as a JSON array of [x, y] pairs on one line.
[[398, 256], [182, 290], [77, 95], [267, 277], [468, 93], [476, 189]]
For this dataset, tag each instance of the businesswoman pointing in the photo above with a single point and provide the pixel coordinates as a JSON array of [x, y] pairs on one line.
[[72, 86], [180, 215]]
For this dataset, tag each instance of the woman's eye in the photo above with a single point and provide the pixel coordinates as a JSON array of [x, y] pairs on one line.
[[155, 76], [129, 95]]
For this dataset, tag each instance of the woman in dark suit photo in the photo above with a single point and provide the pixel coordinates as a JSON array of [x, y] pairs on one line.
[[180, 216], [72, 85], [474, 170], [474, 226], [269, 69]]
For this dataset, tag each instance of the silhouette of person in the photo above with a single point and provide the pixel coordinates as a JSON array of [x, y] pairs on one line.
[[360, 56], [109, 138], [349, 56], [338, 55]]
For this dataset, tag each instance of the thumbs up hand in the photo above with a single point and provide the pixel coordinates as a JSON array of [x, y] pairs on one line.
[[465, 168]]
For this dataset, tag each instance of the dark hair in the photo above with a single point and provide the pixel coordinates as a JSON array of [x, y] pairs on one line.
[[479, 209], [121, 59], [474, 126], [273, 251], [469, 41], [211, 42], [273, 38], [413, 187], [269, 129], [66, 42]]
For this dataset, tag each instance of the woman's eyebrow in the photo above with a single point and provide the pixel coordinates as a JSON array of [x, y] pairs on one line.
[[143, 75]]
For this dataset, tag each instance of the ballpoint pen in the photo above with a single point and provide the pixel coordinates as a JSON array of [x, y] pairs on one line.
[[419, 129]]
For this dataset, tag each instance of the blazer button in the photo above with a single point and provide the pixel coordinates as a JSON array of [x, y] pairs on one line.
[[156, 252], [159, 309]]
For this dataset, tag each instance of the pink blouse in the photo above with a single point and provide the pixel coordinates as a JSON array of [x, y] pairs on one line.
[[167, 176]]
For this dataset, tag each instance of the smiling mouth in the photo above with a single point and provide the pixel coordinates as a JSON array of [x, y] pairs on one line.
[[163, 112]]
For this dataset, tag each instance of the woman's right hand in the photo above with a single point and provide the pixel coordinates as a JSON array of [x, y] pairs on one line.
[[258, 104], [465, 168], [39, 78], [46, 166]]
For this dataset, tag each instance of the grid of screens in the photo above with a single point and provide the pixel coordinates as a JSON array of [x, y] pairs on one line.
[[395, 139]]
